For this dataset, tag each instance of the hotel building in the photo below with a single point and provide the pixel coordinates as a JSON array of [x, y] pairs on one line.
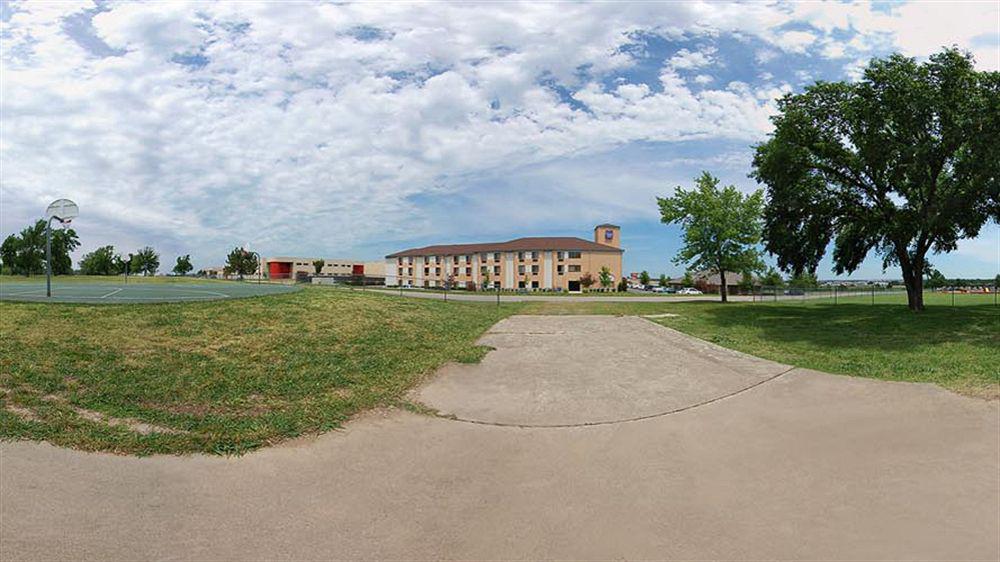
[[539, 263]]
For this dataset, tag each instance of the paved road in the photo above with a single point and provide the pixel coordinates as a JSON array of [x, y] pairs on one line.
[[759, 462], [514, 297]]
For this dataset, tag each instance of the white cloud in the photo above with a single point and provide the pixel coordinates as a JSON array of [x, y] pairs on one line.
[[688, 60], [318, 127]]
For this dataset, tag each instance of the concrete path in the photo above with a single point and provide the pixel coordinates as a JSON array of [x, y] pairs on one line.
[[803, 465]]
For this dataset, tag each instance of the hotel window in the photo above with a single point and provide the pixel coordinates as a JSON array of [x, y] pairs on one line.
[[468, 258], [496, 270], [437, 271], [574, 255], [520, 256], [534, 284], [520, 269], [409, 260], [427, 271], [534, 270], [574, 269], [401, 272], [468, 271], [496, 256], [520, 284], [409, 271], [454, 271], [534, 256], [559, 270], [561, 255], [484, 269], [399, 261], [484, 256]]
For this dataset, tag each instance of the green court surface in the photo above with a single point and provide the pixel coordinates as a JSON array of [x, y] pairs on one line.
[[116, 291]]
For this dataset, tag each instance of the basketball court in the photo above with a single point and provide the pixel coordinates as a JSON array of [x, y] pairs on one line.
[[118, 292]]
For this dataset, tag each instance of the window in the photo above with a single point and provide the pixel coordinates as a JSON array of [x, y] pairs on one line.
[[534, 284], [437, 271], [409, 271], [454, 271], [574, 269], [427, 271], [399, 261], [534, 256], [484, 269], [484, 256], [574, 255], [496, 270], [520, 256], [559, 269], [468, 258], [496, 256], [468, 271], [520, 269], [534, 270], [561, 255], [520, 284]]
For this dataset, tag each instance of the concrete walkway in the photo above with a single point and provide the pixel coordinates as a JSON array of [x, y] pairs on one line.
[[756, 463]]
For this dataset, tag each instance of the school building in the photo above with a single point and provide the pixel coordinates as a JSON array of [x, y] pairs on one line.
[[537, 263], [285, 267]]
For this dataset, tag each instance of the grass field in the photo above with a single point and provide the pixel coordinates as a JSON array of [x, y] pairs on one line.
[[220, 377], [231, 376], [957, 347]]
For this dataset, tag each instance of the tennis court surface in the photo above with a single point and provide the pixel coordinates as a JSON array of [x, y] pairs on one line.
[[117, 292]]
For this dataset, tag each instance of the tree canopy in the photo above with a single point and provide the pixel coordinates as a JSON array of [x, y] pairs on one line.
[[644, 278], [145, 261], [102, 261], [241, 262], [24, 253], [183, 265], [902, 162], [722, 227]]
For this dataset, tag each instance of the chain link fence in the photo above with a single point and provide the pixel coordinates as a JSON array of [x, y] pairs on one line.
[[875, 294]]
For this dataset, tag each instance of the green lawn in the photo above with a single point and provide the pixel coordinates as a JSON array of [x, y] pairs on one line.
[[226, 376], [957, 347], [230, 376]]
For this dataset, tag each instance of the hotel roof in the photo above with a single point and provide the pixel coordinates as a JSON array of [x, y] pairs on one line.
[[557, 243]]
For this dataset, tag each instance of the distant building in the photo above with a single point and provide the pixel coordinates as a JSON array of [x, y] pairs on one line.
[[284, 267], [539, 263]]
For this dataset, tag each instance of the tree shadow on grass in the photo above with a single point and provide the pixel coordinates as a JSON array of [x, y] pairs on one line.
[[885, 327]]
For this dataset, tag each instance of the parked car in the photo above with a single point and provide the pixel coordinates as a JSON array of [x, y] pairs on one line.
[[662, 289], [795, 292], [689, 291]]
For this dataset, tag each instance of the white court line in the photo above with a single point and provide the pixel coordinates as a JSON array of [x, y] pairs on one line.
[[26, 292], [115, 292]]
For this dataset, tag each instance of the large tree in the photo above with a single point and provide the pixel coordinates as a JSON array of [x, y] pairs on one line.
[[24, 253], [722, 227], [183, 265], [903, 162], [102, 261], [145, 261], [241, 262]]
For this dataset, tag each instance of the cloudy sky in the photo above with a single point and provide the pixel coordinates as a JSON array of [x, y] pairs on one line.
[[353, 130]]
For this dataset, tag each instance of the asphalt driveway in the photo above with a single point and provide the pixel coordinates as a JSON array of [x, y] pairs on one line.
[[579, 437]]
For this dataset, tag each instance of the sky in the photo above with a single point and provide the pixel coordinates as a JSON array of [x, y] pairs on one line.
[[355, 130]]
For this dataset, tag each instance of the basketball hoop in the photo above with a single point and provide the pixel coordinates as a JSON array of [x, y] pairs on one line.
[[64, 211]]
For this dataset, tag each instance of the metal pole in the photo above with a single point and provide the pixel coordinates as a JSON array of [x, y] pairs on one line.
[[834, 294], [873, 295], [48, 257], [953, 296], [498, 296]]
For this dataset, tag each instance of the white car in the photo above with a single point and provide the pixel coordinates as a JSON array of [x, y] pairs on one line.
[[689, 291]]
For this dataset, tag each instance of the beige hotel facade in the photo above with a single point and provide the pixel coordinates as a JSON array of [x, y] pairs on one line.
[[537, 263]]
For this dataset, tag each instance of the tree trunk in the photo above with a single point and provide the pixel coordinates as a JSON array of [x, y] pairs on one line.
[[722, 287], [913, 278]]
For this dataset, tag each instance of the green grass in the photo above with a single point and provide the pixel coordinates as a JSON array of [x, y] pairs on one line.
[[957, 347], [227, 376], [230, 376]]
